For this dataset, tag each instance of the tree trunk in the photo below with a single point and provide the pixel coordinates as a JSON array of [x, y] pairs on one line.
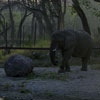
[[82, 16], [41, 25], [20, 27], [32, 26], [60, 8], [46, 19], [11, 22], [61, 21], [97, 0], [35, 30]]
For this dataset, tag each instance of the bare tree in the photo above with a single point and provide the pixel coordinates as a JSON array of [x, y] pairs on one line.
[[97, 0], [82, 16], [12, 24], [60, 8], [21, 26]]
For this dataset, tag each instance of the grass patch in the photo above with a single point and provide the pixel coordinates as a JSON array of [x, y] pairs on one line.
[[94, 60], [48, 94], [5, 98], [96, 67], [43, 44], [24, 91], [8, 85], [46, 76], [22, 84]]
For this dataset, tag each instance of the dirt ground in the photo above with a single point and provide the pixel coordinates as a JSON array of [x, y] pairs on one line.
[[47, 84]]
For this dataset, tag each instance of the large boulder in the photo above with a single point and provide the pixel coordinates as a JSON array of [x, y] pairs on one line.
[[18, 65]]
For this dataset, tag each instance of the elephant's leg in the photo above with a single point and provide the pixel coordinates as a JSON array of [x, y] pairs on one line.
[[65, 61], [64, 66], [68, 55], [67, 58], [84, 64], [67, 67], [61, 70]]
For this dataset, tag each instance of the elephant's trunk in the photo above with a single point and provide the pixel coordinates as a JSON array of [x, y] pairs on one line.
[[53, 48]]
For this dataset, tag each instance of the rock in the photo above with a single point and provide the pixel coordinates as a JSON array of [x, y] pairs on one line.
[[18, 65]]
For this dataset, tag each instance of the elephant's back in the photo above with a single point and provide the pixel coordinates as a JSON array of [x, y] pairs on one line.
[[83, 35], [79, 35], [83, 39], [64, 33]]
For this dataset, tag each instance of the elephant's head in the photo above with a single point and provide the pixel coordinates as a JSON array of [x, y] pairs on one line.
[[57, 42]]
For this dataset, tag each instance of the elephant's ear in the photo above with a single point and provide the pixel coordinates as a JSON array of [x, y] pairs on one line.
[[70, 42]]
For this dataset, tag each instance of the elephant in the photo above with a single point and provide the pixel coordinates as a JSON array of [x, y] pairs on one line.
[[71, 43]]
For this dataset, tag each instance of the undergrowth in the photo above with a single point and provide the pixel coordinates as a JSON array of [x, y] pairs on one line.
[[46, 76]]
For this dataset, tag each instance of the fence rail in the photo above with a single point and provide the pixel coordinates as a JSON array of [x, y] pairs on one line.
[[21, 48]]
